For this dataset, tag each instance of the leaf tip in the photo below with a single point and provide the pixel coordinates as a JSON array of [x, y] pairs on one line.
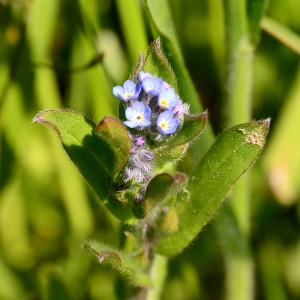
[[258, 135], [38, 117]]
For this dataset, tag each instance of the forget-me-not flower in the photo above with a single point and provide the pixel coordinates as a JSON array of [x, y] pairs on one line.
[[142, 75], [137, 115], [128, 92], [167, 99], [152, 86], [166, 124]]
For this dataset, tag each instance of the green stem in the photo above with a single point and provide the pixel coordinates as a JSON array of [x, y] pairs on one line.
[[158, 275], [239, 267]]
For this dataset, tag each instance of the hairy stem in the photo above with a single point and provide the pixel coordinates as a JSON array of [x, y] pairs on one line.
[[158, 275]]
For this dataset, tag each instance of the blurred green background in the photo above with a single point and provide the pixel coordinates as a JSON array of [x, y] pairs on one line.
[[46, 208]]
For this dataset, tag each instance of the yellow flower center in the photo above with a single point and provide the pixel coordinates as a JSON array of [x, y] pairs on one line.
[[163, 124], [127, 95], [139, 117], [163, 102]]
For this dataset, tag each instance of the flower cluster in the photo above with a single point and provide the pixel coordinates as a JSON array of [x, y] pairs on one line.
[[154, 110], [151, 104]]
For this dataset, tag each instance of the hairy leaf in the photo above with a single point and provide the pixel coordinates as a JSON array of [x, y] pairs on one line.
[[120, 261], [116, 136], [234, 151], [92, 155]]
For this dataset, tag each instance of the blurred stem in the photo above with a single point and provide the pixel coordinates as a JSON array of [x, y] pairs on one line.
[[133, 28], [281, 33], [158, 275], [239, 269], [239, 278]]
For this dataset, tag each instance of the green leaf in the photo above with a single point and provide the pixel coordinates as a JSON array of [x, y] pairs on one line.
[[118, 260], [160, 188], [166, 160], [157, 64], [116, 136], [234, 151], [92, 155]]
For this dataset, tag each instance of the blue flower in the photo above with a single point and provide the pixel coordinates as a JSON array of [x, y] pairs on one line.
[[166, 124], [152, 86], [167, 99], [129, 91], [137, 115], [142, 75]]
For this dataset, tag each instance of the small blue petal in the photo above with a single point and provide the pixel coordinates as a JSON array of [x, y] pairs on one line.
[[129, 86], [142, 75], [129, 113], [131, 124], [147, 112], [118, 91], [138, 106], [152, 86], [166, 115]]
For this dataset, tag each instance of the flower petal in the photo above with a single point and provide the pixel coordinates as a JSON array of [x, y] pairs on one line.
[[142, 75], [129, 86], [118, 91], [147, 113], [131, 124], [166, 115], [129, 113], [144, 123], [152, 86], [138, 106]]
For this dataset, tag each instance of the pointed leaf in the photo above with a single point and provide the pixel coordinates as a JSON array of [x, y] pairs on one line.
[[234, 151], [92, 156], [116, 136], [157, 64], [125, 264], [160, 188]]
